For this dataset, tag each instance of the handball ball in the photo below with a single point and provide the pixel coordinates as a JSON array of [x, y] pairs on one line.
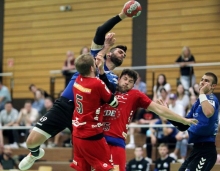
[[132, 8]]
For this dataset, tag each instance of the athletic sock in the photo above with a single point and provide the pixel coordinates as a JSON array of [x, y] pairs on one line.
[[131, 139], [35, 151]]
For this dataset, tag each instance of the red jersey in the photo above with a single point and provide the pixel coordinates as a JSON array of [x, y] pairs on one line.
[[89, 95], [116, 120]]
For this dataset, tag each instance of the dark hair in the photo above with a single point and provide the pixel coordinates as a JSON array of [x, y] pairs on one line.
[[8, 102], [215, 78], [31, 85], [130, 73], [49, 98], [177, 93], [83, 63], [163, 89], [28, 101], [124, 48], [158, 84]]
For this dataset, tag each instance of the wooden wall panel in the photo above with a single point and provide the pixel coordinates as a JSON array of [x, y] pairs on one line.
[[37, 35], [173, 24]]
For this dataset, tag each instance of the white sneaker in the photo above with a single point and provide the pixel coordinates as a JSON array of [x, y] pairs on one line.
[[43, 146], [14, 145], [180, 160], [173, 156], [29, 160], [24, 145], [130, 146]]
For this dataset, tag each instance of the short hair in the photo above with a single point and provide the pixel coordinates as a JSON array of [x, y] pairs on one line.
[[215, 78], [8, 102], [122, 47], [163, 145], [163, 89], [138, 146], [130, 73], [28, 101], [83, 63], [49, 98]]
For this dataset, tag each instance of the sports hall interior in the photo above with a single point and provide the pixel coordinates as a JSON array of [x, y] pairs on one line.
[[35, 36]]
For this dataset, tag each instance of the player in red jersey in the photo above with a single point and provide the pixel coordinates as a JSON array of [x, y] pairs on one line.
[[116, 120], [89, 94]]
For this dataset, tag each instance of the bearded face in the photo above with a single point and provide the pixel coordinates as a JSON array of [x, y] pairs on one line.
[[117, 61]]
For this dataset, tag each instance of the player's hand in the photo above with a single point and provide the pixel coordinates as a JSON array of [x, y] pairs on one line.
[[205, 88], [109, 39], [162, 103], [99, 60], [190, 121]]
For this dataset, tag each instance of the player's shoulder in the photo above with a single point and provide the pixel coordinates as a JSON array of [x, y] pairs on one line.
[[134, 91], [97, 81]]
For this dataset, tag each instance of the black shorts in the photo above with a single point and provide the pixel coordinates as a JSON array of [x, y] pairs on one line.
[[57, 118], [202, 158]]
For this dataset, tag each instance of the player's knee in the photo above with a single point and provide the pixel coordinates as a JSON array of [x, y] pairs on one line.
[[35, 139], [30, 142]]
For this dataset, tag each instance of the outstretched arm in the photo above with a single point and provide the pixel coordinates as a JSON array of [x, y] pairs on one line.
[[165, 112], [101, 31]]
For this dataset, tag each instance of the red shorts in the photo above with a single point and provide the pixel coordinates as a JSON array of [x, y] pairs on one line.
[[118, 156], [95, 153]]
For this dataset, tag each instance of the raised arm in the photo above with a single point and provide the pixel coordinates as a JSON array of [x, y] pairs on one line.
[[102, 30]]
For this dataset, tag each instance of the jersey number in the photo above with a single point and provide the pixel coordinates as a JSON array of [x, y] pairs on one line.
[[79, 107]]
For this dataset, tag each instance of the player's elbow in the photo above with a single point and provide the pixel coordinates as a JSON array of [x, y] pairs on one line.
[[208, 113]]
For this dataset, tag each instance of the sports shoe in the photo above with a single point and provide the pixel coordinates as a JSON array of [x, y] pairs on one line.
[[23, 145], [130, 146], [29, 160], [14, 145], [173, 156], [180, 160]]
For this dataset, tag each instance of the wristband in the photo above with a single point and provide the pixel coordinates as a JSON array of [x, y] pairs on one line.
[[202, 98]]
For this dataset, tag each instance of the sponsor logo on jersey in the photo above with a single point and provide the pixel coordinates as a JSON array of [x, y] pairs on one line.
[[110, 113], [195, 115], [97, 125], [82, 89], [76, 122], [121, 97], [43, 118]]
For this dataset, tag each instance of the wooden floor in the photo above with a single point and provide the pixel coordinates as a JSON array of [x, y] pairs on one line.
[[59, 158]]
